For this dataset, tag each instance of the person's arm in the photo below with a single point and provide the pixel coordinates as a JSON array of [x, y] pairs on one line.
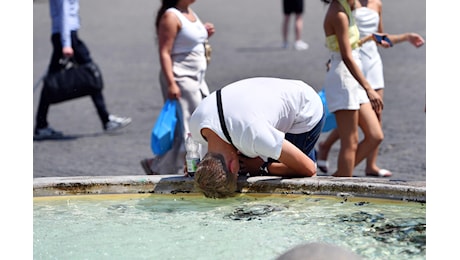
[[167, 31], [65, 9], [340, 24], [413, 38], [365, 39], [210, 29], [379, 8], [292, 163]]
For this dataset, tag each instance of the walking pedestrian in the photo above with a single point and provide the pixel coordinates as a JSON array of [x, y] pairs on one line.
[[65, 23], [293, 8], [181, 37]]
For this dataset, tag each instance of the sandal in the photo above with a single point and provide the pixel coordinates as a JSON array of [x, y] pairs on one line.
[[381, 173]]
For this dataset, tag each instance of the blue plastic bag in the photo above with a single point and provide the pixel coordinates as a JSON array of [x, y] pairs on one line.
[[163, 130], [330, 123]]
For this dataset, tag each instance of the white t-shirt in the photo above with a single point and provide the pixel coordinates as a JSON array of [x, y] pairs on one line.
[[258, 112]]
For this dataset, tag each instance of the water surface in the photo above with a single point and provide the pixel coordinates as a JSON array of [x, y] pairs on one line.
[[245, 227]]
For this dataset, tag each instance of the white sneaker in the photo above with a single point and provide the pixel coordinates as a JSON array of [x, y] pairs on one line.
[[300, 45], [116, 122]]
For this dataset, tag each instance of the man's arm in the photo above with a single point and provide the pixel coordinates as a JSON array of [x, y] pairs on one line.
[[292, 163]]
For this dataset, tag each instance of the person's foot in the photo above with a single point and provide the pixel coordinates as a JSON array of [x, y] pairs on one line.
[[115, 123], [146, 165], [300, 45], [323, 165], [379, 173], [285, 45], [47, 133], [321, 161]]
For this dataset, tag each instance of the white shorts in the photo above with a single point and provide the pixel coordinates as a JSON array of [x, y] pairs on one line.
[[343, 92]]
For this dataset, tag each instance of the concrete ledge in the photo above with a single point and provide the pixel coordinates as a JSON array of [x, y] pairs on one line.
[[173, 184]]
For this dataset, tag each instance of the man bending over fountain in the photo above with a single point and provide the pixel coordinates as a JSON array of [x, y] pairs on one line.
[[267, 126]]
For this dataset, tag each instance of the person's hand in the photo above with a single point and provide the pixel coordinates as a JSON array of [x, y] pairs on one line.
[[174, 92], [376, 101], [210, 28], [382, 43], [67, 52], [416, 40], [185, 170], [250, 165]]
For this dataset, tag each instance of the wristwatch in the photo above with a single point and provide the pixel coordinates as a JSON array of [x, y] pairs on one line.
[[264, 169]]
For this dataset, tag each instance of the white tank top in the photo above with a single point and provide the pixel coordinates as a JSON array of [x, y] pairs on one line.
[[191, 36], [368, 23], [367, 20]]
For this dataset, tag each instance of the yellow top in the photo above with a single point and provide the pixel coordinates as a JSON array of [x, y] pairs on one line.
[[353, 32]]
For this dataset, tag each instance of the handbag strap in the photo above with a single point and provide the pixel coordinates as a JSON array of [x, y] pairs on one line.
[[221, 116]]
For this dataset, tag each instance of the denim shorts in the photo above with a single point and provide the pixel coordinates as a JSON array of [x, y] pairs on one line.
[[306, 141]]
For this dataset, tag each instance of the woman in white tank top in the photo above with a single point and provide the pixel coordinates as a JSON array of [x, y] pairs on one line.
[[181, 36]]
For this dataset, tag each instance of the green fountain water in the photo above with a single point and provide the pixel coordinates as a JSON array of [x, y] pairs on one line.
[[244, 227]]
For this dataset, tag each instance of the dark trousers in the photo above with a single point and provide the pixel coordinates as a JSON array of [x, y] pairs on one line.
[[81, 56], [306, 141]]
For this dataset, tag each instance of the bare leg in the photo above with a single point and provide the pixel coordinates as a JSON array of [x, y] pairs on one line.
[[284, 30], [352, 153], [373, 134], [298, 27], [371, 160], [347, 126], [325, 146], [299, 44], [323, 150]]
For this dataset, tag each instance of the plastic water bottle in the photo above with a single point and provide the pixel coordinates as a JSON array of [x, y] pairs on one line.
[[192, 156]]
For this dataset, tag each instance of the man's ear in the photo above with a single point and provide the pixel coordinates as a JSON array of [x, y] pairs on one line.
[[234, 166]]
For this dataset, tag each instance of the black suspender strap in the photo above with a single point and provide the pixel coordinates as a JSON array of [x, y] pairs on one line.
[[221, 116]]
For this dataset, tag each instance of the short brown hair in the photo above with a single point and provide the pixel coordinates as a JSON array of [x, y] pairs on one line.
[[213, 178]]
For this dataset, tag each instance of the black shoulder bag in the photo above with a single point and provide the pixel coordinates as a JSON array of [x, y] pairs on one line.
[[73, 81]]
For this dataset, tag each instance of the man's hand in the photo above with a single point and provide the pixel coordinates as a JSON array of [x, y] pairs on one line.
[[250, 165], [67, 52]]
